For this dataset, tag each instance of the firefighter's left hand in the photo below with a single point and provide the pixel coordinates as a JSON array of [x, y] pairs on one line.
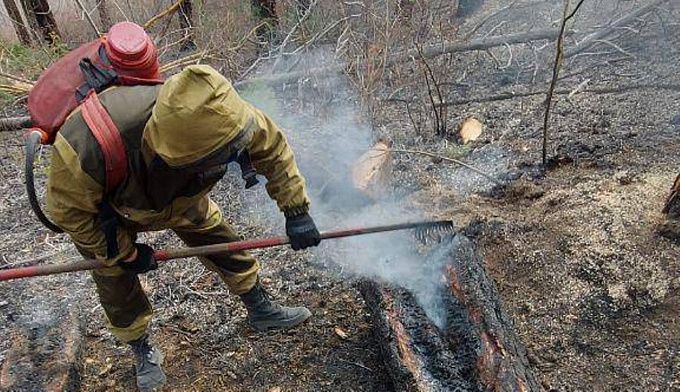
[[143, 261], [302, 231]]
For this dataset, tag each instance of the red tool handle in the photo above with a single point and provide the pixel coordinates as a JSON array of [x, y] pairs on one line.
[[228, 247]]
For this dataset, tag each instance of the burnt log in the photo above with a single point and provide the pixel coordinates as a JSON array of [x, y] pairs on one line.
[[475, 349]]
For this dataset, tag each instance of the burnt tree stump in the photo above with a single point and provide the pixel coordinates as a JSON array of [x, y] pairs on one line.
[[476, 349]]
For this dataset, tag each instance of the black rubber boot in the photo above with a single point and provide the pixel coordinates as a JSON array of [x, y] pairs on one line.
[[264, 314], [147, 365]]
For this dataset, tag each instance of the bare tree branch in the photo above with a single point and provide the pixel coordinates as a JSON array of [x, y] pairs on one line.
[[168, 11], [447, 159], [602, 33], [556, 71]]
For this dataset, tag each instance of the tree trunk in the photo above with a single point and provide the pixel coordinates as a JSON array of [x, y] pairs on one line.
[[104, 17], [15, 16], [39, 14], [474, 347], [186, 22]]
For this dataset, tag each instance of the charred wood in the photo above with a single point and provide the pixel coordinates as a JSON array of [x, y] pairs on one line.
[[476, 349]]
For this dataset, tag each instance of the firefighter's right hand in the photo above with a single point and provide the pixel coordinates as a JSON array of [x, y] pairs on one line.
[[143, 262], [302, 231]]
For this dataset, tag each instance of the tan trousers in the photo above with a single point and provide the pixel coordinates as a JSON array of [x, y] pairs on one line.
[[126, 305]]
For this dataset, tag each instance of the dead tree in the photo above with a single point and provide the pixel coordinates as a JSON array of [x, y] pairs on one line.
[[40, 17], [186, 22], [265, 10], [104, 16], [19, 27]]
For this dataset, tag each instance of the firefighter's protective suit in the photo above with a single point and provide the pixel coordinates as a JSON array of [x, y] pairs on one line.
[[179, 138]]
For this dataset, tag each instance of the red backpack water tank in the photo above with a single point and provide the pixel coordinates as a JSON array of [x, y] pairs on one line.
[[126, 55]]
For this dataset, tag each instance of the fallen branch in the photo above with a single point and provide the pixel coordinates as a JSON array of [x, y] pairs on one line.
[[168, 11], [476, 44], [447, 159], [594, 90], [555, 74], [602, 33], [428, 52], [14, 123], [16, 78]]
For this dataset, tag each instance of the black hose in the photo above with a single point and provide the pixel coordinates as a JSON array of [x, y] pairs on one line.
[[32, 143]]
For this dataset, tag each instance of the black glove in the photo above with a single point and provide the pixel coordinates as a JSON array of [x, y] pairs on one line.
[[302, 231], [143, 263]]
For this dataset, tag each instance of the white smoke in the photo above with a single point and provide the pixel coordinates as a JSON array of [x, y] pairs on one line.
[[328, 132]]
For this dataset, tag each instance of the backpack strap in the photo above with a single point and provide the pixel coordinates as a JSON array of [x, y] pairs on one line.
[[109, 138], [96, 78]]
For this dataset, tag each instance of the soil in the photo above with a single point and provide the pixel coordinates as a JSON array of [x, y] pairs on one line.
[[586, 265]]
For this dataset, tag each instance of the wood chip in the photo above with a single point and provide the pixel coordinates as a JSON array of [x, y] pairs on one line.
[[187, 326], [274, 389], [341, 333], [372, 171], [105, 370], [470, 130]]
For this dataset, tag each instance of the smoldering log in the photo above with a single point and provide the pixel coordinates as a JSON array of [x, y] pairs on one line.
[[476, 350]]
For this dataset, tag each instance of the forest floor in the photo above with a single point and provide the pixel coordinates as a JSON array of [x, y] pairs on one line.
[[578, 251]]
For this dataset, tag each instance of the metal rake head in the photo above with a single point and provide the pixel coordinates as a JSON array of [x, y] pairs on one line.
[[434, 231]]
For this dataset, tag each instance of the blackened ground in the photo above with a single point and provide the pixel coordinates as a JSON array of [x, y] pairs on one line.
[[198, 324], [586, 264]]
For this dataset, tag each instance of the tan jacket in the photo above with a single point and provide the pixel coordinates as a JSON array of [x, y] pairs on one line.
[[179, 138]]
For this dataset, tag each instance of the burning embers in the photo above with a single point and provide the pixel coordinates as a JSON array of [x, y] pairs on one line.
[[475, 349]]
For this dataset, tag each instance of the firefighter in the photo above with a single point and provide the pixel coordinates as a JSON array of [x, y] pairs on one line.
[[179, 138]]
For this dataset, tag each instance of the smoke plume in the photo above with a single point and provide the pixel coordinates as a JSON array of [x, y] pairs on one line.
[[325, 125]]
